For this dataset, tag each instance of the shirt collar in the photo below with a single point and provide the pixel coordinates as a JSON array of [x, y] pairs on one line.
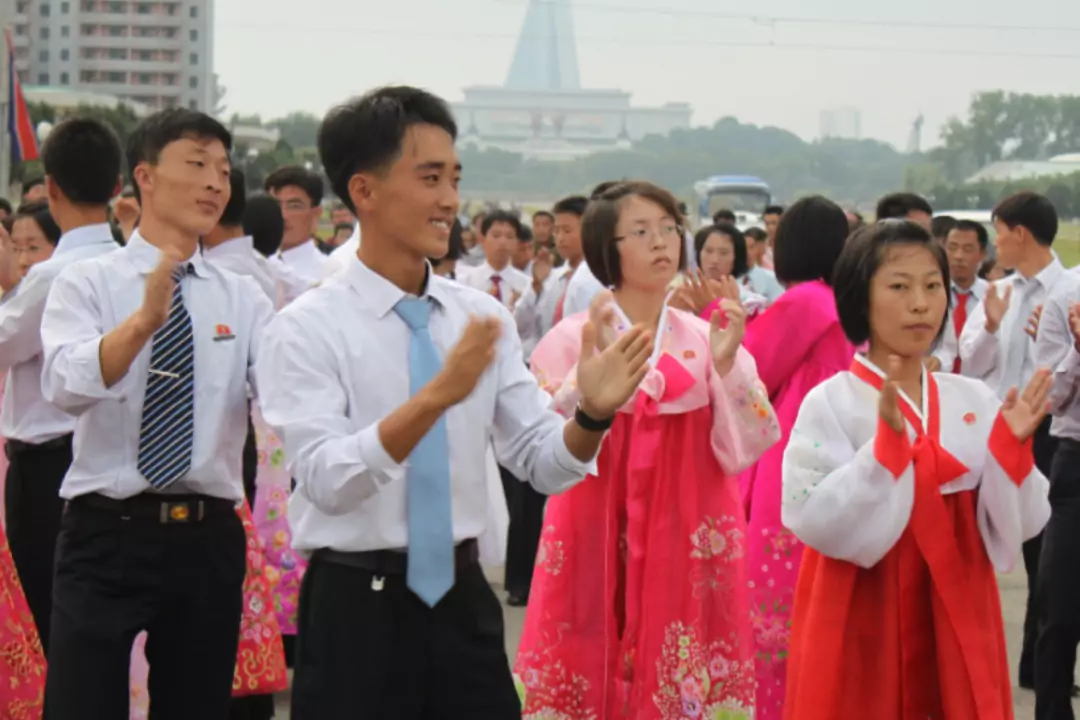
[[381, 295], [304, 249], [85, 236], [1045, 277], [977, 289], [145, 257], [243, 245]]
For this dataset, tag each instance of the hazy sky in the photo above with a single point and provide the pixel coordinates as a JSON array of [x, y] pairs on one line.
[[776, 62]]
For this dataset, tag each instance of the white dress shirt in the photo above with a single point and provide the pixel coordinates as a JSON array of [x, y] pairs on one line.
[[582, 288], [1006, 359], [535, 316], [512, 282], [949, 348], [763, 282], [239, 255], [307, 260], [89, 299], [26, 415], [339, 257], [1055, 349], [333, 366]]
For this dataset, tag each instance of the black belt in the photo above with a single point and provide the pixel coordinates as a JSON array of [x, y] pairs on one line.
[[391, 562], [165, 509], [11, 447]]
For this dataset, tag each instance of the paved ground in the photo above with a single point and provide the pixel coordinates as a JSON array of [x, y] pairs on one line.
[[1013, 597]]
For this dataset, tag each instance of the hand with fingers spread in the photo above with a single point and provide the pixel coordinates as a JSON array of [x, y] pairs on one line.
[[995, 306], [699, 292], [1032, 327], [725, 342], [541, 269], [602, 317], [607, 379], [158, 294], [1074, 324], [889, 402], [1025, 411], [467, 360]]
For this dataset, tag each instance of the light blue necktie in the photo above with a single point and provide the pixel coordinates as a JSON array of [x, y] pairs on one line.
[[431, 538], [168, 413]]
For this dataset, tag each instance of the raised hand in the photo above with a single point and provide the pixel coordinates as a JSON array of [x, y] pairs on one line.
[[996, 306], [158, 294], [725, 342], [607, 379], [541, 269], [1074, 324], [1024, 412], [1032, 327], [699, 292], [602, 317], [889, 402], [727, 287], [468, 359]]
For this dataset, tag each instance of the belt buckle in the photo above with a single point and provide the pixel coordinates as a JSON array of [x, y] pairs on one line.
[[180, 512]]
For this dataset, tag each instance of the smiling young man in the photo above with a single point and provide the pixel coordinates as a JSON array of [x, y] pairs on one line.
[[388, 384], [149, 347]]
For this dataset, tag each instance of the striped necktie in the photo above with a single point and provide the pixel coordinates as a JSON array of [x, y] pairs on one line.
[[168, 412]]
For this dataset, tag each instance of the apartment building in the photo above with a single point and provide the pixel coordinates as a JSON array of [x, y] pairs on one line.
[[155, 52]]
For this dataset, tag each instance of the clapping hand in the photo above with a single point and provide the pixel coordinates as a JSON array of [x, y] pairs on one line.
[[158, 295], [1074, 324], [602, 318], [608, 378], [1032, 327], [889, 402], [995, 306], [1024, 412], [468, 359], [725, 342]]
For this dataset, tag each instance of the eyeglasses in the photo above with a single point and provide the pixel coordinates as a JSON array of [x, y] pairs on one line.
[[665, 232]]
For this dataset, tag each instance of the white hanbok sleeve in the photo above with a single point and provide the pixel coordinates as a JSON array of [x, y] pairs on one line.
[[849, 503], [1014, 503]]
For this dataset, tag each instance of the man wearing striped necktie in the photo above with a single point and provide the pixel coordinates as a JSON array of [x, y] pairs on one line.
[[150, 347]]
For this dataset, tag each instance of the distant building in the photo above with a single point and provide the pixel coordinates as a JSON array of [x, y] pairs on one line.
[[158, 53], [542, 111], [1012, 170], [842, 122]]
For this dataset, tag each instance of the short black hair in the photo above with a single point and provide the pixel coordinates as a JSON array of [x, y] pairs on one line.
[[1032, 211], [365, 134], [738, 244], [39, 212], [525, 234], [773, 210], [543, 213], [84, 159], [32, 182], [941, 226], [233, 214], [264, 223], [723, 216], [808, 240], [598, 227], [604, 187], [343, 226], [899, 205], [862, 257], [501, 216], [296, 176], [156, 131], [456, 246], [976, 227], [573, 205], [756, 234], [5, 206]]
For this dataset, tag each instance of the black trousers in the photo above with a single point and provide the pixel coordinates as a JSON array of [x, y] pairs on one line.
[[1059, 590], [32, 518], [1044, 447], [523, 539], [373, 651], [116, 576]]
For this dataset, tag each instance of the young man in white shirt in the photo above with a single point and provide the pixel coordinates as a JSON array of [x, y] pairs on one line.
[[966, 245], [82, 161], [496, 276], [150, 348], [230, 248], [300, 192], [995, 345], [387, 385]]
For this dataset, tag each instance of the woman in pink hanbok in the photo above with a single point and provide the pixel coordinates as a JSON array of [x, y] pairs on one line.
[[797, 343], [639, 606]]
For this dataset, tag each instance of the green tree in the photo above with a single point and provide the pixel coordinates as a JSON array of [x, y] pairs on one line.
[[299, 129]]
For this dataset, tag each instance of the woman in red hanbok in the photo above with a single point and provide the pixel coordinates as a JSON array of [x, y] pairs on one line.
[[639, 606], [908, 489]]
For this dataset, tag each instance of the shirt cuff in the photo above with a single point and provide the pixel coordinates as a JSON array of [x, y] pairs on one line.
[[565, 461], [1016, 458], [85, 380], [374, 456], [892, 449]]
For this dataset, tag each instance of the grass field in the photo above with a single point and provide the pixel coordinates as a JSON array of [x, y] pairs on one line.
[[1068, 244]]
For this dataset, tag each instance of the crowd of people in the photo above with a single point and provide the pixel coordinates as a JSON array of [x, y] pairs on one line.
[[734, 473]]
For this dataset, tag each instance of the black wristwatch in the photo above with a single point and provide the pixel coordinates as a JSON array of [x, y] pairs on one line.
[[589, 423]]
